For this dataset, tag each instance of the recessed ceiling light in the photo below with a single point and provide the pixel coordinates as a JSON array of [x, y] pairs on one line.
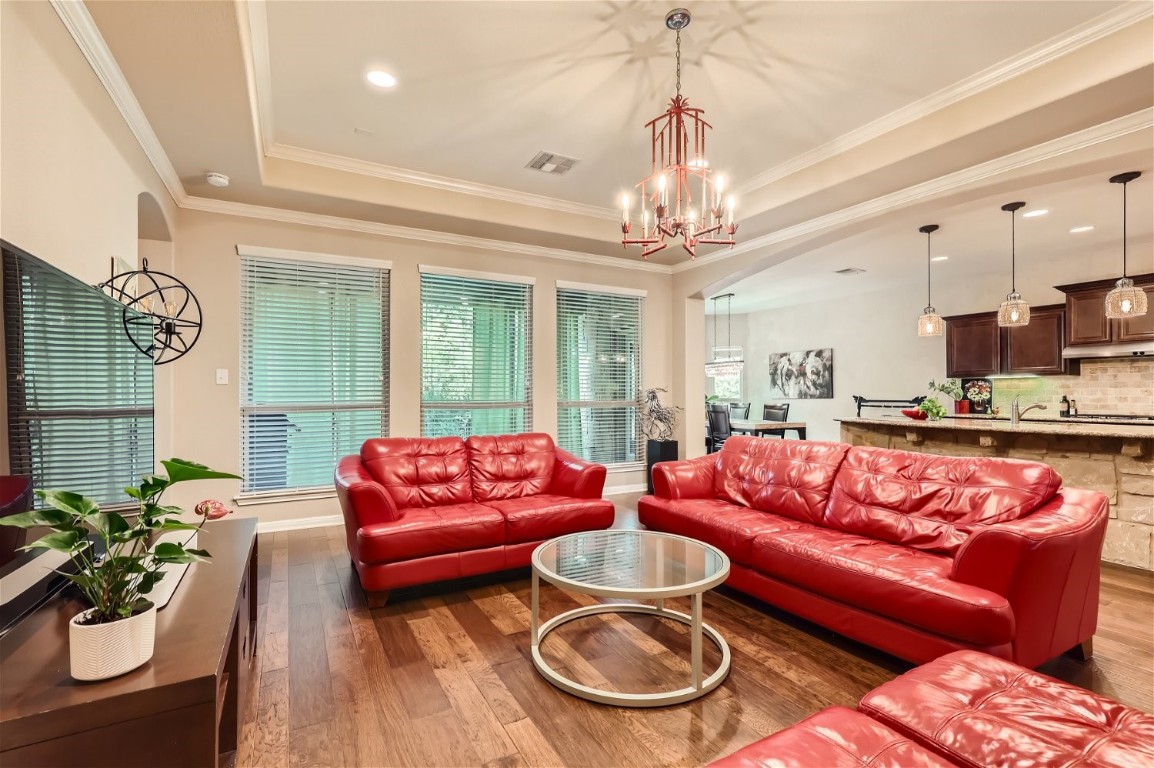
[[1035, 213], [381, 79], [940, 258], [1084, 228]]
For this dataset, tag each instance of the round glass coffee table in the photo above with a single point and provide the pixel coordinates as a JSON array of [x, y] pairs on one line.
[[637, 565]]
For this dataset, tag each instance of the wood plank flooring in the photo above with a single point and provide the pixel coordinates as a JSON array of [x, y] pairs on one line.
[[442, 675]]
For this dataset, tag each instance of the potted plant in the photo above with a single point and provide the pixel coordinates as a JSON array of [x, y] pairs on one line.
[[657, 422], [953, 389], [979, 392], [932, 409], [115, 635]]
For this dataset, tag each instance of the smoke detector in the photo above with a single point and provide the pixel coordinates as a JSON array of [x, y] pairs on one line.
[[549, 162], [216, 179]]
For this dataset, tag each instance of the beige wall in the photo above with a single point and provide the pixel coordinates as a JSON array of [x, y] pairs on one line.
[[206, 416], [72, 170]]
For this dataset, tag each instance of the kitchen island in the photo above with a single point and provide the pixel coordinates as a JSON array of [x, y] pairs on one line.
[[1116, 459]]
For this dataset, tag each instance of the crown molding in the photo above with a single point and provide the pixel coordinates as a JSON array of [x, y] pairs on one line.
[[1108, 131], [446, 183], [1051, 50], [91, 43], [304, 218]]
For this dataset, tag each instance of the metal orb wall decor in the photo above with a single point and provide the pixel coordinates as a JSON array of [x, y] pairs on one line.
[[161, 301]]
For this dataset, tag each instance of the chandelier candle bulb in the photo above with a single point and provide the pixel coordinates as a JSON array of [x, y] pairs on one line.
[[625, 209]]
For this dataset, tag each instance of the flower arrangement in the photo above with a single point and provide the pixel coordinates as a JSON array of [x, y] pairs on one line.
[[117, 583], [950, 387], [978, 391]]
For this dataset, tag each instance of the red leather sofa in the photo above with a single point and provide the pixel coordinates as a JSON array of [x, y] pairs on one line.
[[915, 554], [964, 709], [427, 509]]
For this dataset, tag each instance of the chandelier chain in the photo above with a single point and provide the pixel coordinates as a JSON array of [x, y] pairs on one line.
[[1124, 229], [1013, 251], [929, 266], [679, 62]]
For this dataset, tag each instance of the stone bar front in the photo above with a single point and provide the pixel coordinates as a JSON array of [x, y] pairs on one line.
[[1117, 460]]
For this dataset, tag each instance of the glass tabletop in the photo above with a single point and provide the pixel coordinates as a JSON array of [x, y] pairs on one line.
[[631, 563]]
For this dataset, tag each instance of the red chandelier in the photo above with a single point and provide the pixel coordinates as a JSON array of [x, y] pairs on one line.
[[667, 192]]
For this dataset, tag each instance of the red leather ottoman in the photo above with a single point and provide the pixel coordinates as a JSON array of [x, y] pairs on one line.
[[836, 737], [985, 712]]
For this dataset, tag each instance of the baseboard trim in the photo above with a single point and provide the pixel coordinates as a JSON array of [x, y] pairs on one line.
[[299, 523], [621, 490]]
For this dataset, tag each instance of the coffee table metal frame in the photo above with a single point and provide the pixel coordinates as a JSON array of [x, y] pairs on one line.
[[698, 687]]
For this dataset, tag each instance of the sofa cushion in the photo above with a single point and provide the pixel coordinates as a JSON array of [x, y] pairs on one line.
[[836, 737], [980, 710], [904, 584], [420, 472], [510, 466], [730, 528], [932, 502], [545, 516], [431, 531], [786, 477]]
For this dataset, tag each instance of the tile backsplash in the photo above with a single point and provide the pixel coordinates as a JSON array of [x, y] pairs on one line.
[[1105, 386]]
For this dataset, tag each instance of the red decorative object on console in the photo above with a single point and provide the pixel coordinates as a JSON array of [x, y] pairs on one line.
[[961, 406], [916, 414]]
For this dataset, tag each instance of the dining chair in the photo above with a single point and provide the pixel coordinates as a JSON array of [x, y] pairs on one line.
[[719, 430], [772, 412], [739, 411]]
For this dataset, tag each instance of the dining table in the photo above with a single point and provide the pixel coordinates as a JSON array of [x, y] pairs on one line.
[[760, 427]]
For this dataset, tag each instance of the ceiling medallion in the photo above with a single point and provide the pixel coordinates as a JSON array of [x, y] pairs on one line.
[[165, 323], [677, 142]]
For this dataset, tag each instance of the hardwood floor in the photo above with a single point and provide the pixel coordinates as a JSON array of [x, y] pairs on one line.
[[442, 675]]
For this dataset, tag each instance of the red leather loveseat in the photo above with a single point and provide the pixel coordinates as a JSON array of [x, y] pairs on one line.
[[915, 554], [965, 709], [427, 509]]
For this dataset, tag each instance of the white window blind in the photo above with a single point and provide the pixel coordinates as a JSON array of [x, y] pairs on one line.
[[476, 356], [598, 375], [314, 377], [80, 403]]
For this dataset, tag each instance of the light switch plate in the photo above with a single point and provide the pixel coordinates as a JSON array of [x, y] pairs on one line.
[[221, 375]]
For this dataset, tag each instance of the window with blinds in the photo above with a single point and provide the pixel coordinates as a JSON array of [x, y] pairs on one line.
[[476, 356], [598, 375], [314, 377], [80, 402]]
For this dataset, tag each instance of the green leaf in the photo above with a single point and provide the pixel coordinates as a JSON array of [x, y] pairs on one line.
[[151, 485], [176, 525], [62, 541], [169, 511], [70, 502], [109, 524], [148, 581], [168, 552], [133, 492], [49, 517], [180, 470], [202, 553]]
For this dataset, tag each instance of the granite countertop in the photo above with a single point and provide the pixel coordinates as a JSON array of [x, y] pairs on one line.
[[1040, 427]]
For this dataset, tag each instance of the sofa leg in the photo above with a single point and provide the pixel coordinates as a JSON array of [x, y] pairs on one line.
[[1082, 651], [376, 599]]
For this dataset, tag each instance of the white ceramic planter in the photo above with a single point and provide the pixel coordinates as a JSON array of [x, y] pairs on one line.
[[101, 651]]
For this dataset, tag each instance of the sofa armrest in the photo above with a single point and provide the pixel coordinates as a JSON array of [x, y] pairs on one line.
[[1048, 565], [364, 501], [689, 479], [576, 477]]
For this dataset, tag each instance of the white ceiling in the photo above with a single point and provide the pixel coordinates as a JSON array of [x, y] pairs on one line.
[[818, 106], [483, 86]]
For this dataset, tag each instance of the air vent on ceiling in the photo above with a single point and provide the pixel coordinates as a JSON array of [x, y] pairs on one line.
[[848, 271], [547, 162]]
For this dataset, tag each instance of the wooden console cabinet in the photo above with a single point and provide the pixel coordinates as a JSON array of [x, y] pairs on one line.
[[182, 708]]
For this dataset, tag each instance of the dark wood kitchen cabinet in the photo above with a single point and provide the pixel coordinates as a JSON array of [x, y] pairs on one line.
[[977, 346], [1086, 321]]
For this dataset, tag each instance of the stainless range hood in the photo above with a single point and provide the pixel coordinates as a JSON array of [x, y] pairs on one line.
[[1092, 351]]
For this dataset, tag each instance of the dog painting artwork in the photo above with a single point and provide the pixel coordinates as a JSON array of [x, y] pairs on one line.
[[801, 375]]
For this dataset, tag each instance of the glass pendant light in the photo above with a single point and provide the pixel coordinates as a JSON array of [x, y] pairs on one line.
[[1126, 299], [930, 323], [1014, 311], [727, 361]]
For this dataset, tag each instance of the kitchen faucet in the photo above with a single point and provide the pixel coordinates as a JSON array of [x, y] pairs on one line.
[[1016, 415]]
